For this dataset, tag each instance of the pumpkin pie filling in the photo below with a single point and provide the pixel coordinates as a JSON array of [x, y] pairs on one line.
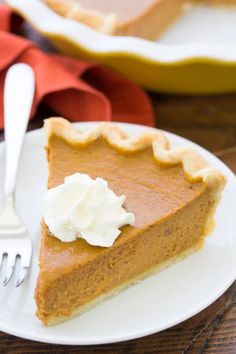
[[171, 212]]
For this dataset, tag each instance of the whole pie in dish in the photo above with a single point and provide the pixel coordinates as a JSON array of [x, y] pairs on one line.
[[140, 18], [173, 194]]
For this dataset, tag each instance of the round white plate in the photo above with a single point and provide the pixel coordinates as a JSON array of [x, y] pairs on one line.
[[156, 303]]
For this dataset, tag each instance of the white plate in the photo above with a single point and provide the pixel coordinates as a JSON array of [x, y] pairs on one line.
[[156, 303]]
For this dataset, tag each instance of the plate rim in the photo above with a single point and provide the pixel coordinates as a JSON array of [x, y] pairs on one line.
[[51, 338]]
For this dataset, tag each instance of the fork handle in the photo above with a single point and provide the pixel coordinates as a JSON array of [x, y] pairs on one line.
[[18, 98]]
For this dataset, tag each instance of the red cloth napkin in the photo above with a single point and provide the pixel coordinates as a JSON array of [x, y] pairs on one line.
[[75, 89]]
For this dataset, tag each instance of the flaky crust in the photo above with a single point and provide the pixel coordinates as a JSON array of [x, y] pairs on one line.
[[105, 23], [194, 166]]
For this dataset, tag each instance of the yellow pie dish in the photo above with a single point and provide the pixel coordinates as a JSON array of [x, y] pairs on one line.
[[185, 68]]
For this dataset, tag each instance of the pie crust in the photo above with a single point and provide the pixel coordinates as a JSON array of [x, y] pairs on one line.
[[195, 167], [105, 23]]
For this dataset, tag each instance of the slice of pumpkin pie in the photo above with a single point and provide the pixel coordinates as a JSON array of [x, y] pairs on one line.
[[116, 208]]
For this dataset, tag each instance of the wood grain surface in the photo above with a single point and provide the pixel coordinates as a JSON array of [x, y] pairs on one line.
[[211, 122]]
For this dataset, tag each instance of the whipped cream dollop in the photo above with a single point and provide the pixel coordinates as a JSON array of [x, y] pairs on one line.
[[86, 208]]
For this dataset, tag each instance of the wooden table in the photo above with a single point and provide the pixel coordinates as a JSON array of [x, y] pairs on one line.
[[211, 122]]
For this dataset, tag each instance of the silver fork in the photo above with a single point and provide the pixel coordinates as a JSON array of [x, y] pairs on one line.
[[15, 241]]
